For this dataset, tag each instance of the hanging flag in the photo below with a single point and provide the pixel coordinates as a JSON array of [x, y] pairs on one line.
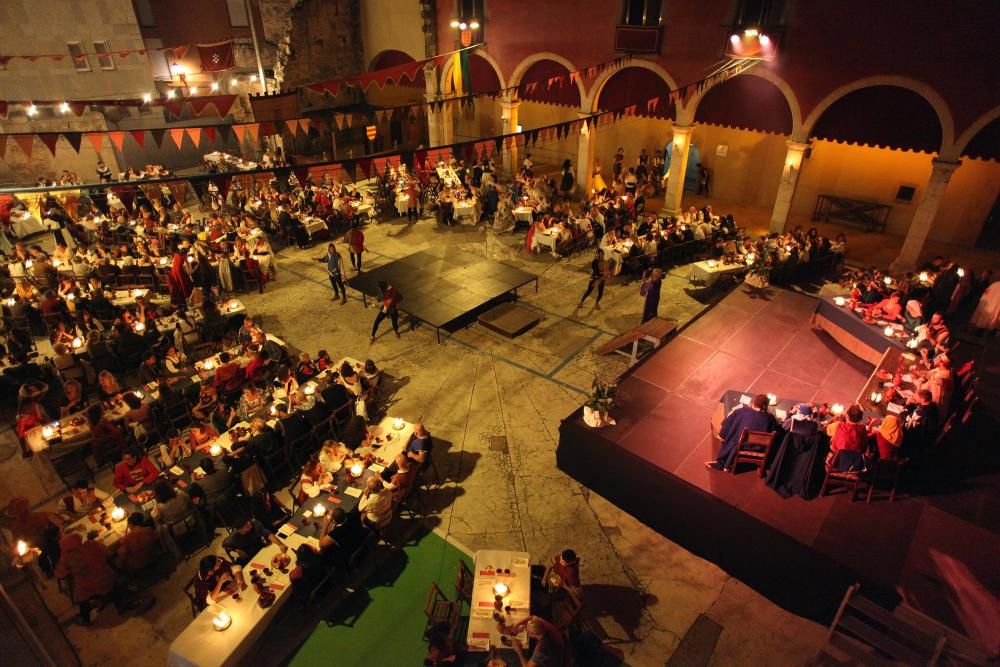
[[177, 136], [117, 138], [139, 136], [74, 139], [96, 140], [217, 57], [652, 104], [222, 103], [26, 142], [210, 133], [254, 130], [50, 139], [461, 77], [370, 132], [3, 145], [158, 134], [175, 108], [241, 132], [195, 134]]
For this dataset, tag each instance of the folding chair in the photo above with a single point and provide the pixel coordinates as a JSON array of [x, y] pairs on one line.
[[438, 609], [834, 479], [463, 582]]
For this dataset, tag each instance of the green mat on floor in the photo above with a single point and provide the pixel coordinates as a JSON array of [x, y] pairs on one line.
[[385, 624]]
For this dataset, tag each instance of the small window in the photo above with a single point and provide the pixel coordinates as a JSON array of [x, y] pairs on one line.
[[104, 58], [80, 60], [238, 17], [641, 12], [144, 12], [906, 193], [759, 14]]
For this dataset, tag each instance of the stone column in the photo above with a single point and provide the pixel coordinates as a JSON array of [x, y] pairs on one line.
[[786, 189], [924, 216], [585, 155], [508, 113], [678, 169]]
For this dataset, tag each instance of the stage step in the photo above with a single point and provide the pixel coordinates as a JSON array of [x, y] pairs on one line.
[[653, 331], [509, 319]]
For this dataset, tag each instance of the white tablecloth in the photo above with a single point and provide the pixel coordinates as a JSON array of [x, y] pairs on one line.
[[25, 224], [402, 204], [314, 225], [524, 213], [483, 630], [701, 271], [200, 645], [467, 209]]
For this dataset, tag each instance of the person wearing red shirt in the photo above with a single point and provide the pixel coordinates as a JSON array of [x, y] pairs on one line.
[[849, 439], [229, 375], [134, 471], [390, 308], [355, 240]]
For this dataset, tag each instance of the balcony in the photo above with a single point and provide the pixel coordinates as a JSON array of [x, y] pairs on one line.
[[638, 38]]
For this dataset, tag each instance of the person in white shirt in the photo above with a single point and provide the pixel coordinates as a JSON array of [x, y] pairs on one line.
[[375, 504], [315, 479]]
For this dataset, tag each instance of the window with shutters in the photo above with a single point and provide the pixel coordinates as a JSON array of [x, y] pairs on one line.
[[80, 60], [105, 60], [641, 12]]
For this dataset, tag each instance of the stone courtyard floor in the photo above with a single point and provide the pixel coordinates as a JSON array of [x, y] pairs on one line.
[[502, 494]]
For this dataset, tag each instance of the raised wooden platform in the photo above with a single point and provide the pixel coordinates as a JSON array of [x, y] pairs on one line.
[[509, 319]]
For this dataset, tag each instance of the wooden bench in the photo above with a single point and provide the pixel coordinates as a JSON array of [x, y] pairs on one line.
[[654, 331]]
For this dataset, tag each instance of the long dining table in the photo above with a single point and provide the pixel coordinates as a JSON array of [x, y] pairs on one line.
[[503, 574]]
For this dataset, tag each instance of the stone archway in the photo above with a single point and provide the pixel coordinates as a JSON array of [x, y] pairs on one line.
[[527, 63]]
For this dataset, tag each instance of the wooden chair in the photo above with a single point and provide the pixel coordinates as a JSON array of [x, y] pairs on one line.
[[753, 447], [864, 633], [885, 469], [438, 609], [834, 478], [463, 582], [196, 604]]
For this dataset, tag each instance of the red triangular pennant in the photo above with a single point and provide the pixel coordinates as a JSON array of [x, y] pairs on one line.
[[210, 133], [139, 136], [3, 145], [240, 131], [26, 142], [50, 139]]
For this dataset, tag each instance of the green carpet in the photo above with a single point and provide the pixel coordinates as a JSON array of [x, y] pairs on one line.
[[385, 626]]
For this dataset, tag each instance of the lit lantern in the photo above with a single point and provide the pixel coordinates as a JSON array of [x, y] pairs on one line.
[[56, 263], [234, 306], [215, 450], [209, 364], [876, 396], [71, 297], [220, 619], [840, 301], [117, 514], [887, 331], [398, 424], [924, 277], [887, 280], [319, 509], [139, 326], [28, 263], [501, 589], [190, 259], [163, 261], [772, 399], [309, 389], [711, 263], [357, 469], [77, 343], [837, 409]]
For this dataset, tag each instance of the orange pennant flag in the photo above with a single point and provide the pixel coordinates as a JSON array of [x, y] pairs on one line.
[[177, 135], [117, 138], [96, 140], [253, 128], [241, 132], [26, 142], [304, 126], [194, 133]]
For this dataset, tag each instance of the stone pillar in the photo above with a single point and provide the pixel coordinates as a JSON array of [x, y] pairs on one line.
[[786, 189], [508, 113], [924, 216], [678, 169], [434, 137], [585, 155]]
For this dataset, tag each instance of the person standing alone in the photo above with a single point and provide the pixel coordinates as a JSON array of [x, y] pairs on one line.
[[334, 269], [650, 289], [355, 240], [390, 308], [598, 276]]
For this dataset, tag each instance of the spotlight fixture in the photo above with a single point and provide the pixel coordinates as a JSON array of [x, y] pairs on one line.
[[463, 25], [734, 38], [64, 108], [474, 25], [194, 90], [765, 40], [751, 32], [454, 23]]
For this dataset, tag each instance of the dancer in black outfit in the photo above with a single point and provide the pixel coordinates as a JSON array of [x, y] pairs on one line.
[[599, 273]]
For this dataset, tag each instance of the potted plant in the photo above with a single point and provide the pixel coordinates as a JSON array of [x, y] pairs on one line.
[[599, 401], [760, 271]]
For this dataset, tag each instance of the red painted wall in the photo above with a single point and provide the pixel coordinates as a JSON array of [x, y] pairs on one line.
[[947, 44]]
